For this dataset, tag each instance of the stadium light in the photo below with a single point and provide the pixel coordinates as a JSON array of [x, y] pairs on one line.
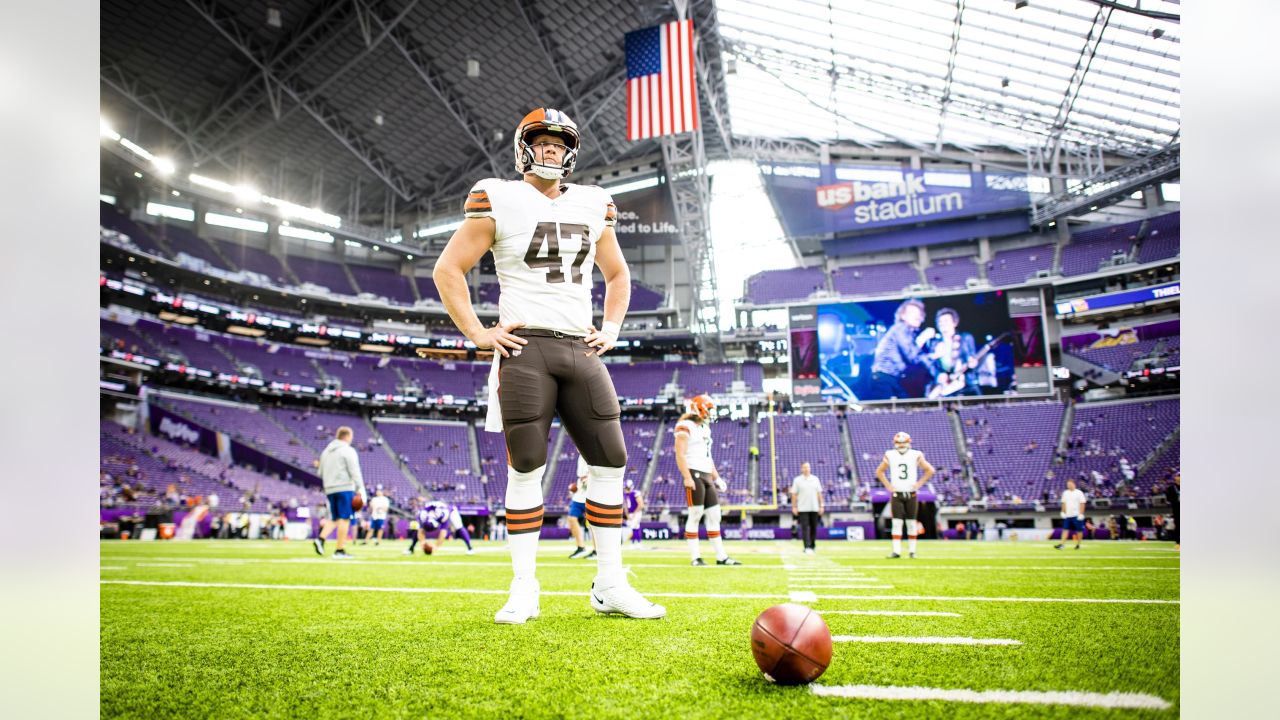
[[163, 165], [305, 234], [632, 186], [137, 149], [238, 223], [104, 129], [352, 243], [208, 182], [171, 211], [438, 229]]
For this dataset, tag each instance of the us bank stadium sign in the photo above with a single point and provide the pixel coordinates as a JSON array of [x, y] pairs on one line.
[[855, 198]]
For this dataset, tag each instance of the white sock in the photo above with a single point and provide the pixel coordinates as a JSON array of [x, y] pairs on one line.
[[713, 531], [895, 530], [605, 513], [897, 545], [691, 531], [911, 543], [524, 520]]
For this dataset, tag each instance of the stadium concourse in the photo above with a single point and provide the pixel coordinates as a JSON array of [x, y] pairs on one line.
[[841, 224]]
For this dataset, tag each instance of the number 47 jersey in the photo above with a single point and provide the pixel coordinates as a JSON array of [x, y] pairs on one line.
[[544, 249]]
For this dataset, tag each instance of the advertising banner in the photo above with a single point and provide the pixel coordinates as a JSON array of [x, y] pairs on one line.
[[175, 428], [1155, 293], [645, 217], [816, 199]]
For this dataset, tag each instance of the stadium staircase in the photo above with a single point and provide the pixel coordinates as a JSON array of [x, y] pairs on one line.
[[553, 461], [658, 436], [351, 278], [473, 445], [963, 452], [1064, 432], [846, 446], [226, 261], [386, 447], [1159, 451]]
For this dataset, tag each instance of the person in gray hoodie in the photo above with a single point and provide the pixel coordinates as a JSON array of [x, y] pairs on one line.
[[340, 472]]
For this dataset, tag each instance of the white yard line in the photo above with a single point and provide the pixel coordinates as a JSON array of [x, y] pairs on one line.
[[164, 564], [793, 596], [111, 567], [809, 587], [1118, 700], [922, 613], [924, 640], [442, 591]]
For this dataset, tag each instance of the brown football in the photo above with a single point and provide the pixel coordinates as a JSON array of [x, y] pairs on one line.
[[791, 644], [357, 502]]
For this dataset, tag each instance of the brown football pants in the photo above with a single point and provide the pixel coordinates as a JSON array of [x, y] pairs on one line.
[[557, 374]]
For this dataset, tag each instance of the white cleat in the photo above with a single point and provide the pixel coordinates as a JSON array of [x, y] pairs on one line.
[[624, 600], [521, 606]]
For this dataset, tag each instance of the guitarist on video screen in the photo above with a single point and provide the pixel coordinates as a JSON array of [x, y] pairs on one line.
[[952, 358]]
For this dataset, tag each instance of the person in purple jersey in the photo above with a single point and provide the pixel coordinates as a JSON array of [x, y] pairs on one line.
[[635, 510], [429, 522], [449, 521]]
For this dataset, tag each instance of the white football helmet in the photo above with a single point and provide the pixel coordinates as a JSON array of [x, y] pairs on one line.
[[553, 122], [902, 442]]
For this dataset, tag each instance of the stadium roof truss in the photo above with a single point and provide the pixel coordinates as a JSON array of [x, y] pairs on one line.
[[367, 107], [1045, 79]]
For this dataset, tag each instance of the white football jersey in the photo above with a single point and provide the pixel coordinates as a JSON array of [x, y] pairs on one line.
[[544, 250], [903, 469], [697, 455]]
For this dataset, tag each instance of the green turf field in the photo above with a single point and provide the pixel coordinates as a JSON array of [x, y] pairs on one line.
[[236, 629]]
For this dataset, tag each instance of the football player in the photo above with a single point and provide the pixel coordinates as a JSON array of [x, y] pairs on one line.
[[635, 511], [546, 236], [448, 519], [903, 465], [701, 479], [578, 510]]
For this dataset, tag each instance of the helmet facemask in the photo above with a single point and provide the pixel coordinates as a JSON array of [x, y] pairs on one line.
[[546, 122]]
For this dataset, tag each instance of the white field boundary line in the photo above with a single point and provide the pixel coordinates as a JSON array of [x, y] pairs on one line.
[[923, 640], [447, 561], [904, 613], [112, 567], [794, 596], [435, 561], [1114, 700], [423, 562]]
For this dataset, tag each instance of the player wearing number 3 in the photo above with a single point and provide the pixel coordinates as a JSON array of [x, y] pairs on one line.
[[902, 464], [546, 236]]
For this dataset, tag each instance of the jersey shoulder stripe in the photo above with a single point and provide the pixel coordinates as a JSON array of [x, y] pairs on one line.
[[610, 214], [479, 202]]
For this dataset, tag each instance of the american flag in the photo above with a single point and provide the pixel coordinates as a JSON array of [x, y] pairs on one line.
[[662, 97]]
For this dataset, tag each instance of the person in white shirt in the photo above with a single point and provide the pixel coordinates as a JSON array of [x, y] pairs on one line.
[[378, 509], [903, 465], [578, 511], [701, 479], [340, 472], [807, 506], [1072, 514]]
